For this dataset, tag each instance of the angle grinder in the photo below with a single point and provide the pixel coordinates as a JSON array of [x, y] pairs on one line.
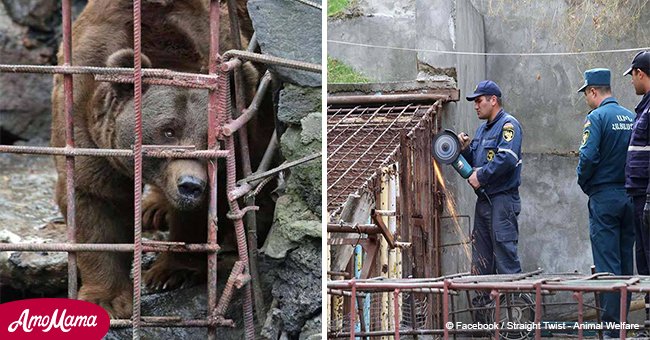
[[446, 149]]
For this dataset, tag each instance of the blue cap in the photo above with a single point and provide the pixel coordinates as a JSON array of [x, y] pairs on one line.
[[485, 88], [596, 77]]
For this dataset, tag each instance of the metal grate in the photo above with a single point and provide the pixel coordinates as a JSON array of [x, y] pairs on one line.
[[221, 119], [362, 139]]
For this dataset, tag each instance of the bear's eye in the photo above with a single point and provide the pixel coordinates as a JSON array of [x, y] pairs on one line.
[[169, 133]]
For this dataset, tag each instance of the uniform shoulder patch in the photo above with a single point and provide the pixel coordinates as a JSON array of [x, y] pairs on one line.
[[585, 137], [508, 131], [587, 123]]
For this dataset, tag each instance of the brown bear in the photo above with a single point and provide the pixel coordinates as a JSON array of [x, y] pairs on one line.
[[175, 35]]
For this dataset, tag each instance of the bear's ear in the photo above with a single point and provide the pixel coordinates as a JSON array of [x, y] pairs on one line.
[[124, 58]]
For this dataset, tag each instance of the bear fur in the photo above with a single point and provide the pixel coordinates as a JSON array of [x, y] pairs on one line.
[[175, 35]]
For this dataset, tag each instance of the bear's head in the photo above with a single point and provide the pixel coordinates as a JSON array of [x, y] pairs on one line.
[[170, 116]]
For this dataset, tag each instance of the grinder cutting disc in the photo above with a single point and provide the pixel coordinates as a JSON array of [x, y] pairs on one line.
[[446, 147]]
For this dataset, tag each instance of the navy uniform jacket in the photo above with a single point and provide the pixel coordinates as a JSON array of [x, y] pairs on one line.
[[638, 160], [603, 151], [495, 152], [605, 138]]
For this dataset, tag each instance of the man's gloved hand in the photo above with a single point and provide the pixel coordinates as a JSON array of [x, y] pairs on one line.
[[646, 211]]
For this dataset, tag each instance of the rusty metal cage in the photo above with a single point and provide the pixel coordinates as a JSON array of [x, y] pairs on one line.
[[517, 299], [223, 122]]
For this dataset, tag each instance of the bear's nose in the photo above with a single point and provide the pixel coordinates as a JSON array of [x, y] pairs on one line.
[[190, 187]]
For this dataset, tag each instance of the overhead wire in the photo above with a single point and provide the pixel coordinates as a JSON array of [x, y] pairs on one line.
[[521, 54]]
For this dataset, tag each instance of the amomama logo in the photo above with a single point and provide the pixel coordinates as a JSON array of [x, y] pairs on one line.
[[52, 319]]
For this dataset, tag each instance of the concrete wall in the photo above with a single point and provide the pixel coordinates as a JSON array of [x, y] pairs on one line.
[[539, 90]]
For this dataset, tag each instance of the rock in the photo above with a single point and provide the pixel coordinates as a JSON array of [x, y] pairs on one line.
[[312, 329], [25, 101], [305, 179], [297, 287], [34, 13], [292, 224], [292, 30], [297, 102]]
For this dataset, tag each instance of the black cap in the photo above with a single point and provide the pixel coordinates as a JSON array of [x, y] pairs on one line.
[[641, 61], [485, 88]]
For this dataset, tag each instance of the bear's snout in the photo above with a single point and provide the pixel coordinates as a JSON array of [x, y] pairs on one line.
[[190, 187]]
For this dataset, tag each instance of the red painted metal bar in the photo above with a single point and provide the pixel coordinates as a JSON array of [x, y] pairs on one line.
[[497, 313], [353, 308], [174, 247], [445, 309], [172, 152], [69, 142], [396, 313], [623, 312], [581, 314], [213, 107], [148, 73], [137, 168], [538, 309]]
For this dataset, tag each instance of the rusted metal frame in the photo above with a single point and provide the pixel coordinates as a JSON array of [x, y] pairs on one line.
[[137, 167], [579, 298], [71, 223], [341, 145], [245, 115], [190, 83], [384, 231], [396, 312], [445, 308], [371, 246], [336, 125], [353, 228], [175, 247], [439, 332], [365, 152], [172, 152], [271, 60], [119, 74], [269, 153], [353, 300], [497, 313], [253, 43], [446, 95], [224, 116], [350, 241], [215, 121]]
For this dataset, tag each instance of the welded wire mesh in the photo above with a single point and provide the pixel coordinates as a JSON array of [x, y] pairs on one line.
[[360, 140]]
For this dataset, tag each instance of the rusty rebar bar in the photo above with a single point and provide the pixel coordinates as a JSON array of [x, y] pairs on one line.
[[271, 60], [137, 167], [214, 106], [171, 153], [226, 295], [386, 98], [251, 111], [102, 247], [224, 115]]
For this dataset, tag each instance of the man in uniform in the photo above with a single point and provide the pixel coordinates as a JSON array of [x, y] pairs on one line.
[[495, 154], [601, 175], [638, 163]]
